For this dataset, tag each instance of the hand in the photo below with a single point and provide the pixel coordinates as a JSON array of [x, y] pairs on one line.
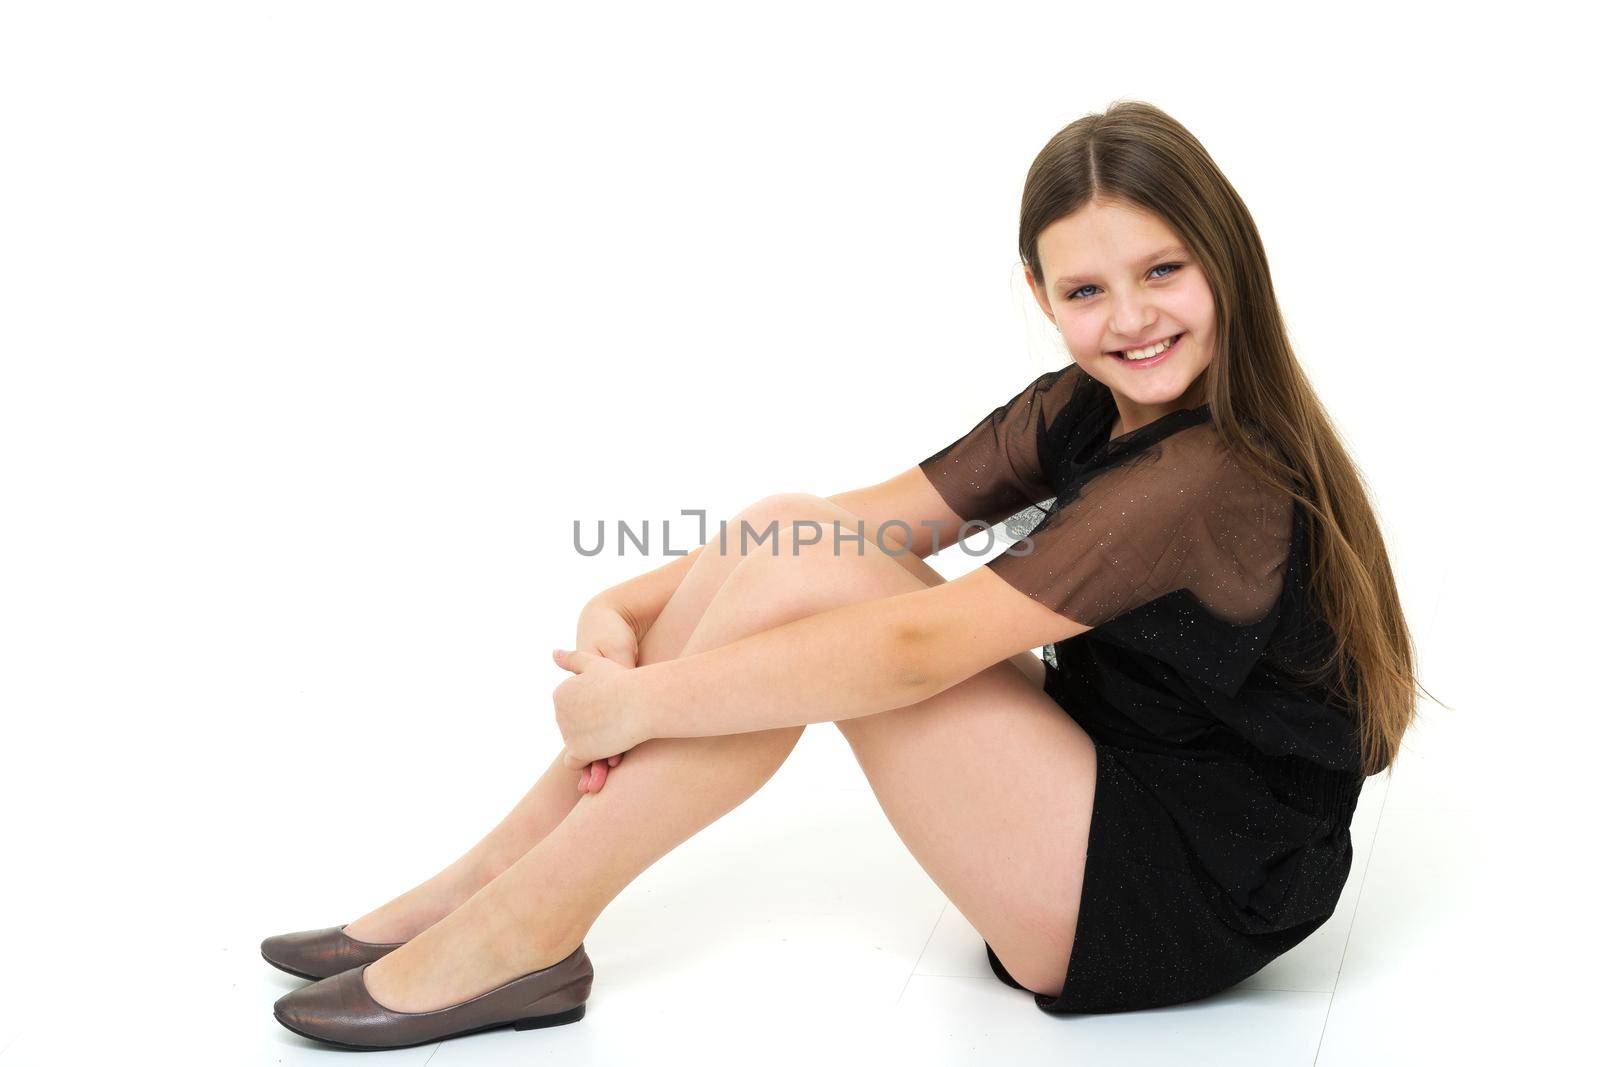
[[609, 631], [597, 720]]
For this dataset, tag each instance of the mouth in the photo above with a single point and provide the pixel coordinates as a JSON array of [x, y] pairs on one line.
[[1159, 355]]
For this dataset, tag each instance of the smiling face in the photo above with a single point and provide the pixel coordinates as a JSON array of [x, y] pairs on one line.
[[1116, 278]]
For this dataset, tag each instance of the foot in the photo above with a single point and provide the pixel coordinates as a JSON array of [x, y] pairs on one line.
[[477, 947]]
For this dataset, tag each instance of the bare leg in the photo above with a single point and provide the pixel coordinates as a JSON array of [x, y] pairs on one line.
[[535, 815], [540, 909], [553, 796]]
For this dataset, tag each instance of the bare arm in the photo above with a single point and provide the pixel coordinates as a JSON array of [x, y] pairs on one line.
[[853, 660], [906, 498]]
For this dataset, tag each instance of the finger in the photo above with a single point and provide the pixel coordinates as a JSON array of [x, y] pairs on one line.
[[560, 656], [583, 779], [597, 776], [575, 660], [614, 760]]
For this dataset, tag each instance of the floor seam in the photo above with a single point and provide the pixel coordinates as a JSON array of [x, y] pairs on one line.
[[1354, 918], [907, 984]]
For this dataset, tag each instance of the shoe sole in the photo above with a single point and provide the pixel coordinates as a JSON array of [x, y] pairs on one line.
[[538, 1022]]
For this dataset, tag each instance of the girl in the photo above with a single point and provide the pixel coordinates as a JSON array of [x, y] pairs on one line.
[[1145, 818]]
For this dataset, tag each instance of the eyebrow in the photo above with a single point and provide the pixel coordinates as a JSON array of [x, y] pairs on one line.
[[1170, 250]]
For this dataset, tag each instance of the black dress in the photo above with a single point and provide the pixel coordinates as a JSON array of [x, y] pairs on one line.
[[1220, 834]]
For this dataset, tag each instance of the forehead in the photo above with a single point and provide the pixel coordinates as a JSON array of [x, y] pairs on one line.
[[1100, 239]]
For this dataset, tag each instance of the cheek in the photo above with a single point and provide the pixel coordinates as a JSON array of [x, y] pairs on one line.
[[1197, 308], [1082, 337], [1081, 331]]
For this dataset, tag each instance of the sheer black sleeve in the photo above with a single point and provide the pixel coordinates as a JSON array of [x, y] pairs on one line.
[[1003, 464]]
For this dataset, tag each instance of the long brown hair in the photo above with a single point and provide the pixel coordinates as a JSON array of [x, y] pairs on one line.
[[1136, 154]]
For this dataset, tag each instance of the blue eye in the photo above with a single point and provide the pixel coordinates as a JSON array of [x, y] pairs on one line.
[[1175, 267]]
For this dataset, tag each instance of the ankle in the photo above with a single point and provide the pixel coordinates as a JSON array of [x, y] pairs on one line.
[[521, 950], [518, 938]]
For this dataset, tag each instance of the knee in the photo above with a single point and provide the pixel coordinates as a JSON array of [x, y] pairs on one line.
[[756, 526], [804, 552], [797, 573], [782, 573], [784, 507], [771, 512]]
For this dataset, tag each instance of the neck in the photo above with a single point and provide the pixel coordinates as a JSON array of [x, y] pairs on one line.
[[1132, 415]]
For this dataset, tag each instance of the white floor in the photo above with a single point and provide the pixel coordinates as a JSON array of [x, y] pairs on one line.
[[831, 943]]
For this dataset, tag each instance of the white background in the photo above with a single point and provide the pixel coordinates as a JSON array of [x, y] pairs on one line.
[[321, 323]]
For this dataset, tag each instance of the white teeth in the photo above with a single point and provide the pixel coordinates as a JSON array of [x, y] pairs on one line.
[[1146, 353]]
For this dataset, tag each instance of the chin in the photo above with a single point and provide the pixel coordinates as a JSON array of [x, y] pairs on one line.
[[1157, 386]]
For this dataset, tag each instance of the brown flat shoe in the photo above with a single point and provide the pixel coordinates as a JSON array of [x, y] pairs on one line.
[[317, 954], [339, 1010]]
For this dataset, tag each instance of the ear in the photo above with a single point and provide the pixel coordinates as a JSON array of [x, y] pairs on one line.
[[1039, 294]]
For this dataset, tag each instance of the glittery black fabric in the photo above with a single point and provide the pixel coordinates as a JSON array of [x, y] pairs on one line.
[[1220, 833]]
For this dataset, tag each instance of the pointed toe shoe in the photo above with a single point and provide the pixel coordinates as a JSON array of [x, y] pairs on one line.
[[339, 1010]]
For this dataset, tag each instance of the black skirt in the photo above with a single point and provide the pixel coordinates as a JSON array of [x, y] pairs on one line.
[[1149, 933]]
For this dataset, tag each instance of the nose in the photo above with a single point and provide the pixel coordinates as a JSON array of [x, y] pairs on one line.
[[1131, 316]]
